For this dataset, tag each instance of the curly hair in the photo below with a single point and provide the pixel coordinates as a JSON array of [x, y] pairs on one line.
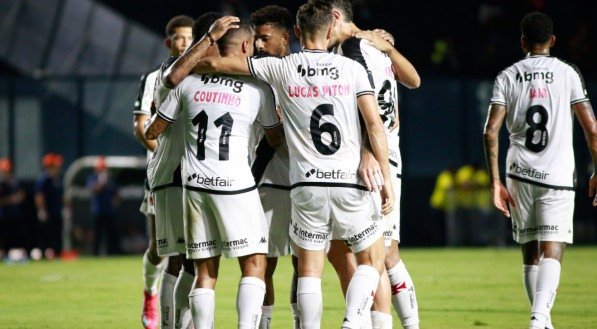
[[275, 15], [176, 22], [536, 28]]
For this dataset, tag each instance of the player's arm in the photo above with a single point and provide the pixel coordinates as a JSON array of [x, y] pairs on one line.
[[369, 168], [586, 117], [185, 63], [227, 65], [404, 71], [139, 122], [156, 126], [379, 146], [495, 119]]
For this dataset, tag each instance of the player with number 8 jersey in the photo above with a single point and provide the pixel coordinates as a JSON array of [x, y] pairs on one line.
[[540, 129]]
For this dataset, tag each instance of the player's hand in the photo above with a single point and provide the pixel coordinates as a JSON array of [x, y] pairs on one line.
[[375, 40], [386, 35], [502, 199], [223, 24], [593, 189], [370, 171], [387, 198]]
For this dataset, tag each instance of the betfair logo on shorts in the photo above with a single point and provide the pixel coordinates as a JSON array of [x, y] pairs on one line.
[[359, 237], [210, 181], [309, 71], [529, 172], [332, 174], [309, 236], [235, 244]]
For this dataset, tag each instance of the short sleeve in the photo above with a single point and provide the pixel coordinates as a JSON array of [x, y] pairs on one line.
[[498, 95], [578, 92], [363, 85], [265, 68], [170, 108], [145, 94]]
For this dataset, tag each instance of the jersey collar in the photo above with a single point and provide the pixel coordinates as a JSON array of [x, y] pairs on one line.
[[306, 50], [529, 55]]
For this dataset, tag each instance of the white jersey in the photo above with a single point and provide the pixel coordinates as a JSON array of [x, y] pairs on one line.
[[318, 96], [144, 102], [379, 68], [218, 112], [163, 169], [538, 92]]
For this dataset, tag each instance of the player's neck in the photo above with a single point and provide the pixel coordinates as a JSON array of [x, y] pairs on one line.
[[538, 51], [348, 30]]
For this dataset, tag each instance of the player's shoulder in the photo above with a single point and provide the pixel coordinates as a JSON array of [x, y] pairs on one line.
[[569, 66], [151, 72], [351, 44], [167, 63]]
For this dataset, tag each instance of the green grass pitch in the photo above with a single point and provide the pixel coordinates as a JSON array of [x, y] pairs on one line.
[[456, 289]]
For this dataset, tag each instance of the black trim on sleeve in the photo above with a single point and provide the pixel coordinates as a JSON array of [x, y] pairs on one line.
[[250, 64], [161, 115], [579, 101], [554, 187], [351, 48], [366, 92]]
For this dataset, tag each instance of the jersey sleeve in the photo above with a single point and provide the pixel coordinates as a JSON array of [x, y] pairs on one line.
[[351, 48], [498, 95], [265, 68], [170, 108], [145, 94], [268, 118], [577, 84], [363, 86]]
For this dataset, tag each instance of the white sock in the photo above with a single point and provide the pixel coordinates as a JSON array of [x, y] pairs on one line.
[[296, 320], [548, 279], [366, 321], [404, 297], [167, 300], [151, 274], [359, 296], [266, 316], [310, 302], [380, 320], [251, 291], [182, 312], [529, 280], [202, 302]]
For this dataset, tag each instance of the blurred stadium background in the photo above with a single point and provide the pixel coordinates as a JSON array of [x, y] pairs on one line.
[[69, 74]]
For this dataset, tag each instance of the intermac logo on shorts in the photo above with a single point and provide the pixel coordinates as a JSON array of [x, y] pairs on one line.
[[308, 236], [235, 244], [359, 237], [544, 229], [201, 246], [529, 172], [331, 174]]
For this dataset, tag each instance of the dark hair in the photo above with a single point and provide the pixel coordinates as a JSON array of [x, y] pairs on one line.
[[275, 15], [344, 5], [536, 28], [244, 29], [203, 23], [314, 15], [176, 22]]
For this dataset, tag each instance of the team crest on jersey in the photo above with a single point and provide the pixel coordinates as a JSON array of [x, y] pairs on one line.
[[309, 71]]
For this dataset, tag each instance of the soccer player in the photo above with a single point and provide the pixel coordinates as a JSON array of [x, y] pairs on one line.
[[319, 93], [384, 65], [178, 37], [537, 97], [223, 212], [273, 25]]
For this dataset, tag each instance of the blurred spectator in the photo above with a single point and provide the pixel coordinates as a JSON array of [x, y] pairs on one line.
[[104, 201], [12, 224], [443, 199], [49, 202]]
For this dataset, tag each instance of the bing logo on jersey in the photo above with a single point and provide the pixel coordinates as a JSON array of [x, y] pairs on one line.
[[309, 71]]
